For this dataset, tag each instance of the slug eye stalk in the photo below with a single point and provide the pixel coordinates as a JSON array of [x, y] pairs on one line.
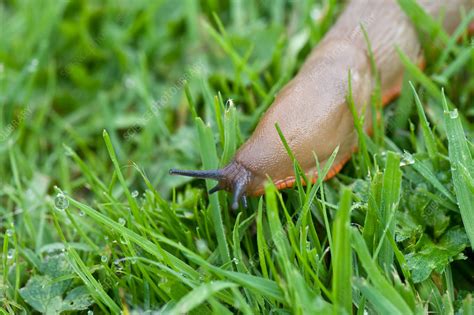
[[233, 178]]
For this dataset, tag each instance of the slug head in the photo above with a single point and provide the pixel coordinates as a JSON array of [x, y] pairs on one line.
[[233, 178]]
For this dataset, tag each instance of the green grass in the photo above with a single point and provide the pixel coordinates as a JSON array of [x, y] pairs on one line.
[[99, 99]]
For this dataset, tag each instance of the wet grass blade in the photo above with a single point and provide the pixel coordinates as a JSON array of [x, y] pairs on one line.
[[428, 136], [460, 157], [376, 277], [199, 295], [342, 254], [210, 161], [390, 197]]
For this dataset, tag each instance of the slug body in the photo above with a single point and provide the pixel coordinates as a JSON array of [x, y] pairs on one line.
[[312, 109]]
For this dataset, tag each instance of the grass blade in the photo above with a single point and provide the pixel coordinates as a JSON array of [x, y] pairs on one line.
[[198, 296], [210, 161], [460, 157], [342, 254]]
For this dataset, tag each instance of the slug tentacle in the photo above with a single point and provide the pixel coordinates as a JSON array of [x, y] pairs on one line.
[[234, 178]]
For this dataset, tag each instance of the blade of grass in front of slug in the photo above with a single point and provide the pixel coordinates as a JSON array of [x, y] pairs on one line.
[[376, 97], [423, 21], [299, 172], [366, 162], [230, 133], [428, 136], [210, 161], [218, 106], [314, 189]]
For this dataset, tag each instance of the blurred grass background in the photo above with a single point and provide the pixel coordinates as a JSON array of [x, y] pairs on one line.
[[91, 221]]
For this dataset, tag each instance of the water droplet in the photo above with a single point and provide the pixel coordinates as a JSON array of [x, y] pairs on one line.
[[134, 261], [122, 221], [89, 312], [229, 103], [68, 151], [11, 253], [9, 232], [235, 260], [201, 246], [189, 215], [135, 193], [316, 13], [408, 159], [60, 202], [106, 238], [123, 241], [454, 114], [82, 213], [103, 258], [129, 82], [33, 66]]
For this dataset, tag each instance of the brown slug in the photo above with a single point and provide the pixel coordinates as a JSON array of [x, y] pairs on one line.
[[312, 110]]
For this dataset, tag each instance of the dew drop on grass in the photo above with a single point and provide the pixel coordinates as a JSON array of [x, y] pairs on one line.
[[235, 260], [135, 193], [60, 202], [89, 312], [129, 82], [9, 232], [316, 13], [68, 151], [103, 258], [454, 114], [121, 221], [33, 66], [408, 159], [10, 253], [201, 246], [82, 213]]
